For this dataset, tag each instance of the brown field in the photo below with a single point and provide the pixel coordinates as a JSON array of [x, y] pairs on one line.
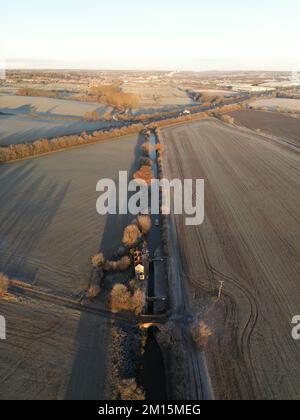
[[22, 105], [55, 347], [49, 224], [282, 126], [158, 96], [273, 103], [25, 119], [52, 353], [250, 240], [15, 129], [217, 92]]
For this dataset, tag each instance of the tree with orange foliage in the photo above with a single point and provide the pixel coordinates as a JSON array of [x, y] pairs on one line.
[[145, 173]]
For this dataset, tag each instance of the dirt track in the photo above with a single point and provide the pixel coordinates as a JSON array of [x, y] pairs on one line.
[[251, 241]]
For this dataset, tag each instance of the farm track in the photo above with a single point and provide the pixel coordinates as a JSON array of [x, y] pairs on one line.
[[248, 241], [23, 290]]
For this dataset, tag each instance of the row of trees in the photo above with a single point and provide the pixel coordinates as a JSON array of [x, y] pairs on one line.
[[123, 297], [39, 93], [227, 119], [132, 298], [196, 117], [92, 116], [160, 149], [42, 146], [113, 96], [39, 147], [123, 300]]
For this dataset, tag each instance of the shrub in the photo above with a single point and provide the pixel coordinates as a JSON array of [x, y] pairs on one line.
[[38, 147], [144, 224], [91, 116], [98, 261], [120, 298], [129, 391], [110, 266], [146, 148], [145, 161], [108, 116], [38, 93], [113, 96], [131, 236], [93, 292], [201, 333], [227, 119], [138, 301], [132, 284], [144, 173], [160, 148], [124, 264], [4, 283]]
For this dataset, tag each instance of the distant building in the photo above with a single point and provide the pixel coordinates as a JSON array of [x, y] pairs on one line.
[[250, 88]]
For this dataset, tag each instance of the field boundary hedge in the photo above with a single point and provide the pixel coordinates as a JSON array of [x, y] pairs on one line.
[[16, 152]]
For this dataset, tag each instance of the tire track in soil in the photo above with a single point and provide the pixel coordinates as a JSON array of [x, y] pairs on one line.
[[245, 341], [267, 165], [212, 273]]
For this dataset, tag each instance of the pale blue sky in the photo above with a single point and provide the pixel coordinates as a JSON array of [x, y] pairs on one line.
[[153, 34]]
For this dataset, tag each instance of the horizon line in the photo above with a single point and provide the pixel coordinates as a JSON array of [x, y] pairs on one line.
[[144, 70]]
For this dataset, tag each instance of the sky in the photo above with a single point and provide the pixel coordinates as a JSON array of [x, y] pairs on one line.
[[151, 35]]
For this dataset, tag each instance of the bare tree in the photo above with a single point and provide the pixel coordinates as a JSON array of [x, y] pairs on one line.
[[98, 260], [4, 283], [201, 333], [120, 298], [131, 235]]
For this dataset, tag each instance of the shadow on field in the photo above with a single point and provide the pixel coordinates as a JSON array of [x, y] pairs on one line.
[[89, 373], [23, 109], [19, 129], [28, 205]]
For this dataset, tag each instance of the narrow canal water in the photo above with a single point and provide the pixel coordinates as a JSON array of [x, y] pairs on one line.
[[153, 375], [154, 237]]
